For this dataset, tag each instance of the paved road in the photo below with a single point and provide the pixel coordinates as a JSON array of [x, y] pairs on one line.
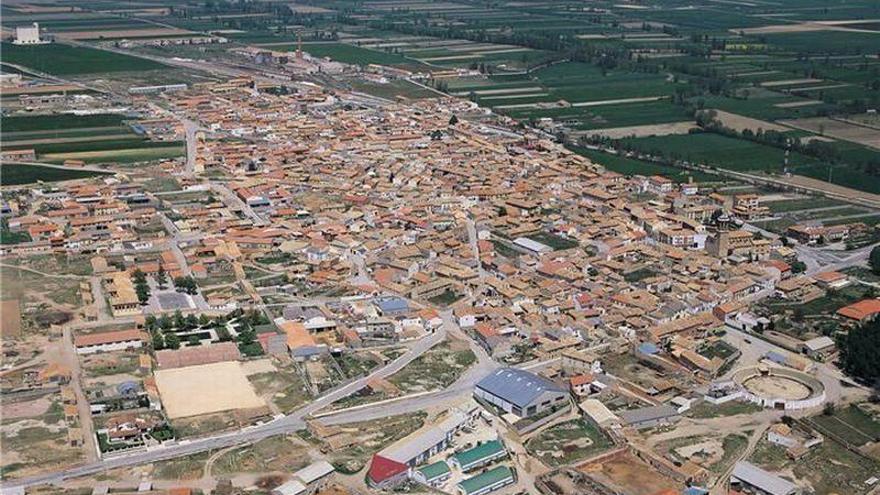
[[822, 260], [233, 201]]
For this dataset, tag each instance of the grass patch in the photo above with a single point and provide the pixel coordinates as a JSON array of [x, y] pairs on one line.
[[438, 368], [568, 442]]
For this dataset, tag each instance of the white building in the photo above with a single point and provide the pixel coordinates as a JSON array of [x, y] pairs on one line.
[[108, 341], [28, 35]]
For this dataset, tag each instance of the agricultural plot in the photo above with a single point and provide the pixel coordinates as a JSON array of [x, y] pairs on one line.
[[852, 424], [720, 151], [350, 54], [839, 129], [16, 174], [631, 166], [64, 60]]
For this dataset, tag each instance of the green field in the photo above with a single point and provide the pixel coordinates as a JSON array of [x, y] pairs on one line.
[[630, 166], [67, 60], [719, 151], [18, 174], [28, 123]]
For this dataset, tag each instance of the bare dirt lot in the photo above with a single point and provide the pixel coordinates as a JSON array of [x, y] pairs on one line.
[[205, 389], [838, 129], [122, 33], [740, 123], [645, 130], [629, 475]]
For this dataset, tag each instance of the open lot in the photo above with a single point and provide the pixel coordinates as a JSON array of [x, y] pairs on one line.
[[630, 475], [204, 389], [435, 369], [568, 442], [828, 467]]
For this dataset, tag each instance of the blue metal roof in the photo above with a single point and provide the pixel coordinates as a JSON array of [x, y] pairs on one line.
[[647, 348], [393, 305], [776, 357], [517, 386]]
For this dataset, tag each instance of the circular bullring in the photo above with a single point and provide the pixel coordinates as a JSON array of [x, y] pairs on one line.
[[779, 388]]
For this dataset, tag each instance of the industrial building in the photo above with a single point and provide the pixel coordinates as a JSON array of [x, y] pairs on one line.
[[487, 482], [520, 392], [479, 456], [747, 475], [28, 35], [394, 463]]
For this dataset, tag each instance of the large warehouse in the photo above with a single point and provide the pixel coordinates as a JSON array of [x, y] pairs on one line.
[[519, 392]]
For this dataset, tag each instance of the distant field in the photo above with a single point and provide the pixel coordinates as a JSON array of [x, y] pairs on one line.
[[61, 59], [629, 166], [351, 54], [719, 151], [18, 174], [59, 121], [128, 155]]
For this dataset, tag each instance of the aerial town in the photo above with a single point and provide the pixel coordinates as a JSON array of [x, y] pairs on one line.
[[235, 265]]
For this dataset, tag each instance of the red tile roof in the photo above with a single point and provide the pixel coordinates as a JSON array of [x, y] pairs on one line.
[[861, 310], [382, 469]]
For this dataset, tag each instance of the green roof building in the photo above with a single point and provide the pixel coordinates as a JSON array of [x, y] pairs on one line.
[[489, 481], [480, 455], [433, 474]]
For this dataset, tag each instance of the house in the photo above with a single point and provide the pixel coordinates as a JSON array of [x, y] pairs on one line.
[[581, 384], [597, 412], [747, 475], [306, 479], [109, 341], [831, 280], [818, 347], [797, 441], [648, 417], [862, 311], [520, 392], [532, 247], [488, 481]]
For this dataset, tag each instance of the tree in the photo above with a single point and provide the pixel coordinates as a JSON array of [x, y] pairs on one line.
[[179, 320], [161, 277], [798, 267], [158, 341], [141, 288], [172, 341], [186, 284], [453, 120], [860, 351], [874, 260], [194, 340]]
